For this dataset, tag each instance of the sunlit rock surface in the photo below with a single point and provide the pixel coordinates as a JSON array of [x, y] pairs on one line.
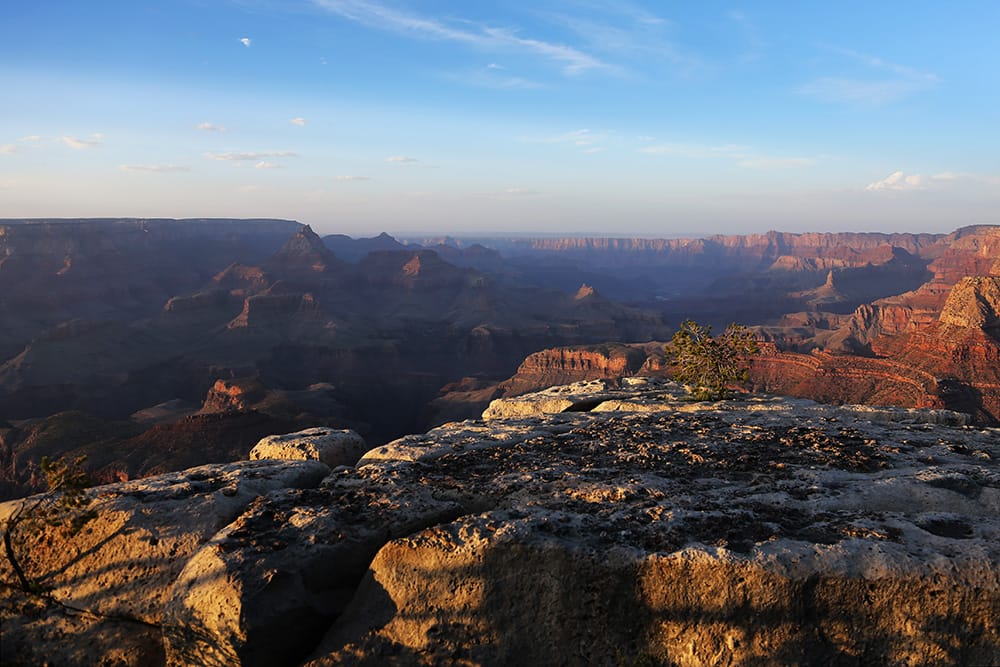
[[637, 527]]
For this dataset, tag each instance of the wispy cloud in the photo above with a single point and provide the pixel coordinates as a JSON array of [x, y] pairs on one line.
[[300, 121], [83, 144], [210, 127], [401, 159], [246, 41], [897, 180], [620, 29], [375, 15], [21, 144], [573, 60], [900, 181], [238, 157], [265, 164], [883, 82], [153, 168], [353, 178]]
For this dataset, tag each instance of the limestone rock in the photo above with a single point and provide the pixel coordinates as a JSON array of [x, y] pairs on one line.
[[772, 531], [974, 302], [265, 589], [331, 446], [576, 397], [640, 528], [125, 560]]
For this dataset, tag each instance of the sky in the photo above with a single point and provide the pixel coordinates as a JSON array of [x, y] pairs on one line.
[[626, 118]]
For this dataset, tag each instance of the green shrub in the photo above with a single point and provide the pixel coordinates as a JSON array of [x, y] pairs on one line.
[[708, 365]]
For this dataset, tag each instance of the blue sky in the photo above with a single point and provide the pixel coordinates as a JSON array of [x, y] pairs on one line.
[[551, 116]]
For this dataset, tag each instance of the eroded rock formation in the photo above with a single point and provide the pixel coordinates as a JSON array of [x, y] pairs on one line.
[[637, 527]]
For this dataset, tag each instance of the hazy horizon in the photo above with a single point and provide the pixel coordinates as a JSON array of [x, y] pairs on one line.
[[553, 117]]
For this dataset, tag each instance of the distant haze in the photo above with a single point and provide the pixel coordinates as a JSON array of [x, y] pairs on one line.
[[560, 116]]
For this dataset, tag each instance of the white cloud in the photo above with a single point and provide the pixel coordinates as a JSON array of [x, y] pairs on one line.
[[401, 159], [11, 149], [154, 168], [495, 66], [518, 192], [210, 127], [245, 41], [83, 144], [897, 180], [250, 156], [375, 15], [353, 178], [300, 121], [574, 61], [626, 31], [264, 164]]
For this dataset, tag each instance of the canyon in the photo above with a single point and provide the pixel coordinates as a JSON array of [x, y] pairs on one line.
[[153, 345], [469, 452]]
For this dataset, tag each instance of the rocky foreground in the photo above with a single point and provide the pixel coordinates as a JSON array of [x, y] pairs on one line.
[[586, 524]]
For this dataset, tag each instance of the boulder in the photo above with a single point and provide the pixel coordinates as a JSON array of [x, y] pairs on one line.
[[265, 589], [123, 562], [576, 397], [331, 446], [787, 532]]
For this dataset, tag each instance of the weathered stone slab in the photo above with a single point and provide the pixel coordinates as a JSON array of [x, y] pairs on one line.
[[125, 560], [265, 589], [331, 446]]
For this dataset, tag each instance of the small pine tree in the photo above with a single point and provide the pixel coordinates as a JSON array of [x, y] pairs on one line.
[[708, 365], [66, 497]]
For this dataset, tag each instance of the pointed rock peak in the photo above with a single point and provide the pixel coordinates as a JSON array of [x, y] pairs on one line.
[[307, 236], [584, 292], [829, 280], [304, 251]]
